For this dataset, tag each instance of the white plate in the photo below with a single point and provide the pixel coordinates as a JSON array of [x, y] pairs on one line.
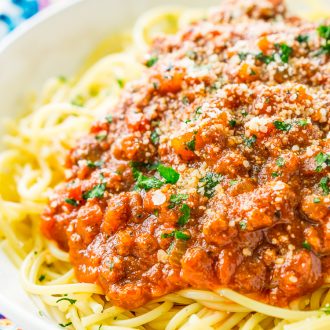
[[56, 42]]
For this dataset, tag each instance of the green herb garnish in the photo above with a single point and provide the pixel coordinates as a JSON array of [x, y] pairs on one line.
[[168, 173], [208, 184], [71, 201], [185, 210], [302, 122], [275, 174], [232, 122], [233, 182], [191, 144], [249, 142], [176, 234], [65, 325], [302, 38], [78, 101], [324, 32], [62, 79], [71, 301], [101, 137], [326, 309], [321, 159], [91, 164], [285, 52], [242, 224], [185, 100], [265, 58], [120, 83], [198, 111], [324, 185], [42, 277], [96, 192], [306, 245], [316, 200], [280, 161], [154, 137], [282, 126], [177, 199], [109, 118], [151, 61], [147, 183], [242, 55]]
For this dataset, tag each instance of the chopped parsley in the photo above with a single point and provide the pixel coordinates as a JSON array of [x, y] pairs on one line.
[[316, 200], [191, 145], [147, 183], [177, 199], [282, 126], [91, 164], [109, 118], [101, 137], [111, 266], [168, 173], [275, 174], [154, 137], [285, 52], [242, 224], [233, 182], [96, 192], [185, 211], [324, 185], [280, 161], [302, 38], [324, 32], [321, 159], [78, 101], [306, 245], [71, 201], [302, 122], [208, 183], [185, 100], [120, 83], [232, 123], [71, 301], [249, 142], [265, 58], [152, 61], [176, 234], [42, 277], [242, 55], [326, 309], [198, 111], [62, 79], [65, 325]]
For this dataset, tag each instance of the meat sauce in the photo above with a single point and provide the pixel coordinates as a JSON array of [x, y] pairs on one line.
[[212, 170]]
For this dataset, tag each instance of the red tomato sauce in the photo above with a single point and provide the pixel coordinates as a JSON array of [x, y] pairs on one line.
[[213, 169]]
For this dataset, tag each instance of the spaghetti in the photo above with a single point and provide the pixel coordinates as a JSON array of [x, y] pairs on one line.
[[31, 166]]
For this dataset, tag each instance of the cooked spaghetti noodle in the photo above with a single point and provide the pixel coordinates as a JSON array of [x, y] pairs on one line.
[[32, 164]]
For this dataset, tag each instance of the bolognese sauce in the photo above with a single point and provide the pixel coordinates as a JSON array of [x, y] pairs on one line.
[[212, 170]]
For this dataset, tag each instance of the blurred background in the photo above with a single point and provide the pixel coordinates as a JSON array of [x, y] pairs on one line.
[[14, 12]]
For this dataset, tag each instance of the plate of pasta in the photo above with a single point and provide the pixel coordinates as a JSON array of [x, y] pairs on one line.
[[166, 165]]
